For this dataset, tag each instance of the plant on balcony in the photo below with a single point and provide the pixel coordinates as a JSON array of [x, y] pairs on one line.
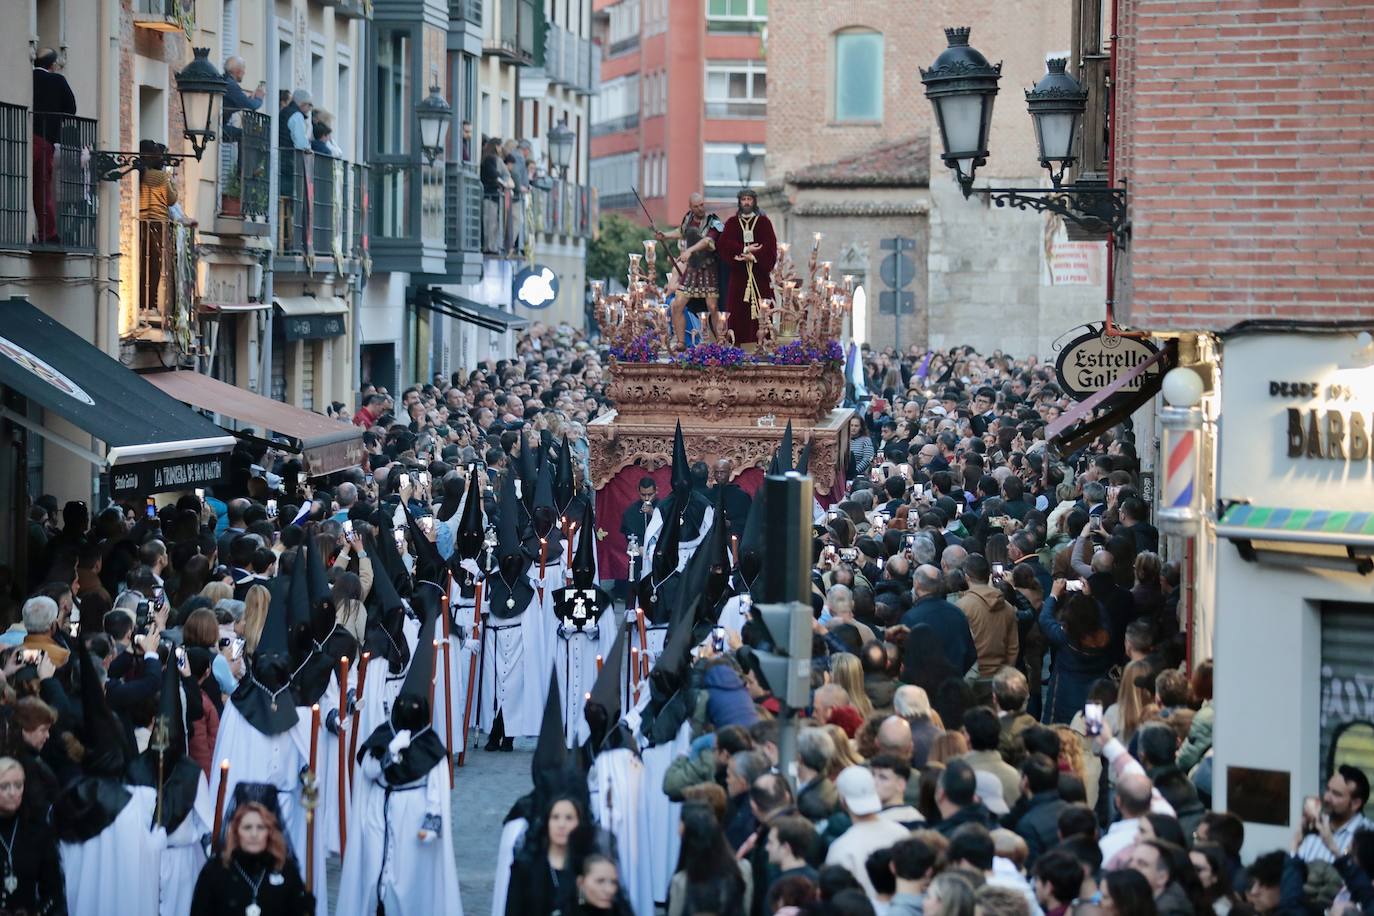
[[643, 349], [705, 355]]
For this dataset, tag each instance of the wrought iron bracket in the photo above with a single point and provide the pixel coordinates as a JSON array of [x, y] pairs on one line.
[[112, 166], [1095, 208]]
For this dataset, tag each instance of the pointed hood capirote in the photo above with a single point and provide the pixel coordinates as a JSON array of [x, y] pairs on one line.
[[508, 585], [546, 520], [263, 698], [681, 479], [526, 466], [584, 558], [411, 711], [655, 590], [785, 450], [472, 533], [180, 774], [384, 636], [603, 707], [804, 462], [93, 800], [564, 483]]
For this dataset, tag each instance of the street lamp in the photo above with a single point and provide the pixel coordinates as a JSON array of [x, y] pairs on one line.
[[561, 142], [744, 164], [962, 85], [435, 116], [1056, 105], [201, 88]]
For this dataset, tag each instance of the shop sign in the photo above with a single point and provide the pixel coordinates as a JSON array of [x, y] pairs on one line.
[[1094, 360], [1332, 431], [535, 287], [313, 327], [147, 477]]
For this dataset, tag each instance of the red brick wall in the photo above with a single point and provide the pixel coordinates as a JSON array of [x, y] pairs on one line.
[[1246, 131]]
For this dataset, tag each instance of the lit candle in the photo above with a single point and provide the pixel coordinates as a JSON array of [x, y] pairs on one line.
[[600, 663], [816, 239], [784, 248], [650, 250], [634, 664], [848, 284], [734, 547], [219, 801], [543, 555]]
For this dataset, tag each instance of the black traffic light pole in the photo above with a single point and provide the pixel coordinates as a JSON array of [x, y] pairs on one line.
[[785, 607]]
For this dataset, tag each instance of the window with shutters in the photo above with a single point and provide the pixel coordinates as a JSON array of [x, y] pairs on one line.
[[1091, 65]]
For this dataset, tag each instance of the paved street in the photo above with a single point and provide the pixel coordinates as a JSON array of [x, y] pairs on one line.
[[483, 792]]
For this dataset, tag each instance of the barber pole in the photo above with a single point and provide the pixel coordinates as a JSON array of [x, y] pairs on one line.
[[1180, 447]]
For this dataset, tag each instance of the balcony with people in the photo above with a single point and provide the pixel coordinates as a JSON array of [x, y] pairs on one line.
[[48, 179], [166, 255], [320, 194], [521, 195]]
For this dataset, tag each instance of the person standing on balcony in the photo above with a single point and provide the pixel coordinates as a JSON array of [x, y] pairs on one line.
[[235, 99], [293, 140], [156, 195], [52, 100], [517, 156], [493, 190]]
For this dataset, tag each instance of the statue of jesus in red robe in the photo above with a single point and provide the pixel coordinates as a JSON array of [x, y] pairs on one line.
[[749, 249]]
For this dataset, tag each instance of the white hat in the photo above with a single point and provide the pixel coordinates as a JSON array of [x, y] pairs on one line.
[[990, 792], [300, 96], [855, 785]]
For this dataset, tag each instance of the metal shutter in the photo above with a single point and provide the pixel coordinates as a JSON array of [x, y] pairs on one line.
[[279, 346], [1347, 686]]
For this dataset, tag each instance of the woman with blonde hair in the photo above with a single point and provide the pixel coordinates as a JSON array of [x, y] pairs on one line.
[[255, 605], [847, 671], [1128, 713], [217, 591], [845, 754]]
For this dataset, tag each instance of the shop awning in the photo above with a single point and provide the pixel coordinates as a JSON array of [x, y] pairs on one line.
[[1078, 425], [475, 313], [154, 443], [324, 445], [311, 317], [1340, 539]]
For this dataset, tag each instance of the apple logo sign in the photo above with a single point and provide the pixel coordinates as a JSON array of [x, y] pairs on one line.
[[536, 287]]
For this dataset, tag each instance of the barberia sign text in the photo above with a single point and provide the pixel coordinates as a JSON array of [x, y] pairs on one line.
[[1333, 431]]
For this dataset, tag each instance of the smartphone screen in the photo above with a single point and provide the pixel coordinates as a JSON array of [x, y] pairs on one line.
[[405, 481], [997, 569], [348, 529], [150, 509], [1092, 718], [1074, 585], [238, 647], [272, 508], [400, 539], [200, 494]]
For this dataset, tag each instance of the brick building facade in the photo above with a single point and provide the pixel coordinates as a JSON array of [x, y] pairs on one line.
[[680, 94], [845, 90], [1246, 136]]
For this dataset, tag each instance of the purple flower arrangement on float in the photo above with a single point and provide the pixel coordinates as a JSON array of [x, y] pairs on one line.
[[645, 349], [798, 353]]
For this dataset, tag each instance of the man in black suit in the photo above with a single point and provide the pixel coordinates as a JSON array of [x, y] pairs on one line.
[[637, 514], [983, 414], [52, 99], [737, 502], [1131, 513]]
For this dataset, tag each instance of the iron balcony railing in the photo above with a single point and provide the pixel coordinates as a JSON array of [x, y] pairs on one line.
[[167, 268], [245, 157], [563, 208], [515, 35], [358, 203], [14, 175], [317, 209], [462, 208], [466, 11], [64, 182]]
